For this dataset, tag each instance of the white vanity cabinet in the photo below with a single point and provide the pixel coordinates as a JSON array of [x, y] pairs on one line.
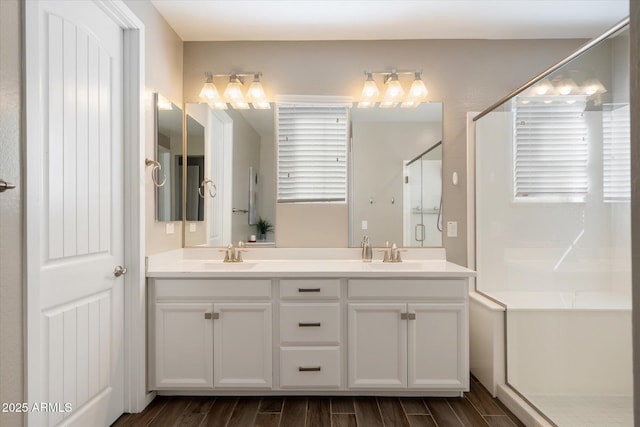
[[208, 334], [396, 343], [309, 328]]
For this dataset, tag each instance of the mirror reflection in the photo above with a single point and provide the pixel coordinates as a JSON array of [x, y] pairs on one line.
[[236, 191], [397, 175], [169, 155]]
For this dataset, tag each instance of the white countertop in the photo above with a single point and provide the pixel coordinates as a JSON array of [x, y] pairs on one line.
[[300, 262]]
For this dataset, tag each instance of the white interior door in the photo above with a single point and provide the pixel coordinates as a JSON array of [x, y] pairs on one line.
[[74, 213], [219, 149]]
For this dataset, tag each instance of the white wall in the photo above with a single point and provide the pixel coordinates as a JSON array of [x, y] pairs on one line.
[[163, 74], [466, 75]]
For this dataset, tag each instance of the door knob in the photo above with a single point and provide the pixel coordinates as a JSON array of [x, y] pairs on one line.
[[4, 185], [119, 271]]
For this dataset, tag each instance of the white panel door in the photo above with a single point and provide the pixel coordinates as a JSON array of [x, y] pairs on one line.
[[184, 345], [242, 345], [377, 346], [75, 213], [437, 346]]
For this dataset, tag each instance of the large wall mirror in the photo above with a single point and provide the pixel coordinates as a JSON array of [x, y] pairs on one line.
[[396, 167], [396, 158], [169, 155]]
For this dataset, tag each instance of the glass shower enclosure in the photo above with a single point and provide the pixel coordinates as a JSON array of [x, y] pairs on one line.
[[553, 234], [422, 198]]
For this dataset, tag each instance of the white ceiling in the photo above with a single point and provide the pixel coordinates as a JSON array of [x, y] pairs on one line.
[[222, 20]]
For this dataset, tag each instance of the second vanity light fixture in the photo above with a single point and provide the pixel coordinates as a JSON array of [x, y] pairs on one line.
[[233, 93], [394, 93]]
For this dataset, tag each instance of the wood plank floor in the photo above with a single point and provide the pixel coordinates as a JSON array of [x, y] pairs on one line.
[[476, 408]]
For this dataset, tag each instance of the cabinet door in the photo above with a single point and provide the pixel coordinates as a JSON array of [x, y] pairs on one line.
[[437, 349], [377, 346], [183, 345], [242, 345]]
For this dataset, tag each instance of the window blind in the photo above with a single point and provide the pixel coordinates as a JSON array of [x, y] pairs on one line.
[[551, 152], [616, 156], [312, 152]]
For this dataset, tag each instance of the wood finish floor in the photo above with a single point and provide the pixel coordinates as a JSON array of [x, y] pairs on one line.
[[476, 408]]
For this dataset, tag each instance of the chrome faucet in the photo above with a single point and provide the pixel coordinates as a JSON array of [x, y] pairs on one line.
[[231, 254]]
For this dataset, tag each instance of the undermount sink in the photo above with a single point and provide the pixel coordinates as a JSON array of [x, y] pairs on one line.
[[395, 265], [219, 265]]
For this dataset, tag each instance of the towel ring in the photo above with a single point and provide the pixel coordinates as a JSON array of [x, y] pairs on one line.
[[157, 167], [207, 182]]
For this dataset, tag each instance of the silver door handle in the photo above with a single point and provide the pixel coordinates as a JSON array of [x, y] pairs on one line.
[[4, 185], [420, 227], [119, 271]]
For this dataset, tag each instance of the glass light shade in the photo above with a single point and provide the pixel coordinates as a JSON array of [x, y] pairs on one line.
[[410, 103], [566, 87], [543, 88], [209, 91], [240, 105], [388, 104], [394, 92], [218, 105], [370, 91], [418, 90], [262, 105], [366, 104], [256, 93], [593, 87], [233, 92]]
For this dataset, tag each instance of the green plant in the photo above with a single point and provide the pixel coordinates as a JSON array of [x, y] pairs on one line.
[[264, 226]]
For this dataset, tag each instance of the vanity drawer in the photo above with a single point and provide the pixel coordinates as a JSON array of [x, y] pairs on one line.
[[310, 288], [310, 324], [407, 288], [188, 289], [305, 367]]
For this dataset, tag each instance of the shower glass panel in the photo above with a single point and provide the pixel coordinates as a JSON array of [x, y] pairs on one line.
[[422, 198], [553, 235]]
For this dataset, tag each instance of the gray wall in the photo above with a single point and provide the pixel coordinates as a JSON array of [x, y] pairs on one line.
[[466, 75], [11, 135], [163, 74]]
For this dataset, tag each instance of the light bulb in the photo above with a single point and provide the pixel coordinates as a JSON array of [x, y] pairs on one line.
[[543, 87], [418, 90], [233, 91], [566, 87], [209, 91]]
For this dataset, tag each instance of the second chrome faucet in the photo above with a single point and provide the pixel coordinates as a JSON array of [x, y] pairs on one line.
[[391, 254]]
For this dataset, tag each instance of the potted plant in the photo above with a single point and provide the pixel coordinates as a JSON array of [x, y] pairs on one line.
[[263, 227]]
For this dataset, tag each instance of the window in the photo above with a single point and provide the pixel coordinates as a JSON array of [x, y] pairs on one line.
[[616, 154], [312, 152], [551, 151]]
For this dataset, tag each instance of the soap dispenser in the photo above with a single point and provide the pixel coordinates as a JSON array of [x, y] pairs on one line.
[[366, 250]]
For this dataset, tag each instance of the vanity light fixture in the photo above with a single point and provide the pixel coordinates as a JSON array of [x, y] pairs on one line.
[[233, 93], [394, 93], [370, 92]]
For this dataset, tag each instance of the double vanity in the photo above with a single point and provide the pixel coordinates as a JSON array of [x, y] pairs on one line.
[[307, 321]]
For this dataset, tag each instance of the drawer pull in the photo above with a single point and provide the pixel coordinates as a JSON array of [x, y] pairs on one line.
[[308, 289], [309, 368], [309, 325], [210, 316], [408, 316]]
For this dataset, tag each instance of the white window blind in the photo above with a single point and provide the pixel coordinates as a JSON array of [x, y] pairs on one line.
[[616, 154], [551, 152], [312, 152]]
